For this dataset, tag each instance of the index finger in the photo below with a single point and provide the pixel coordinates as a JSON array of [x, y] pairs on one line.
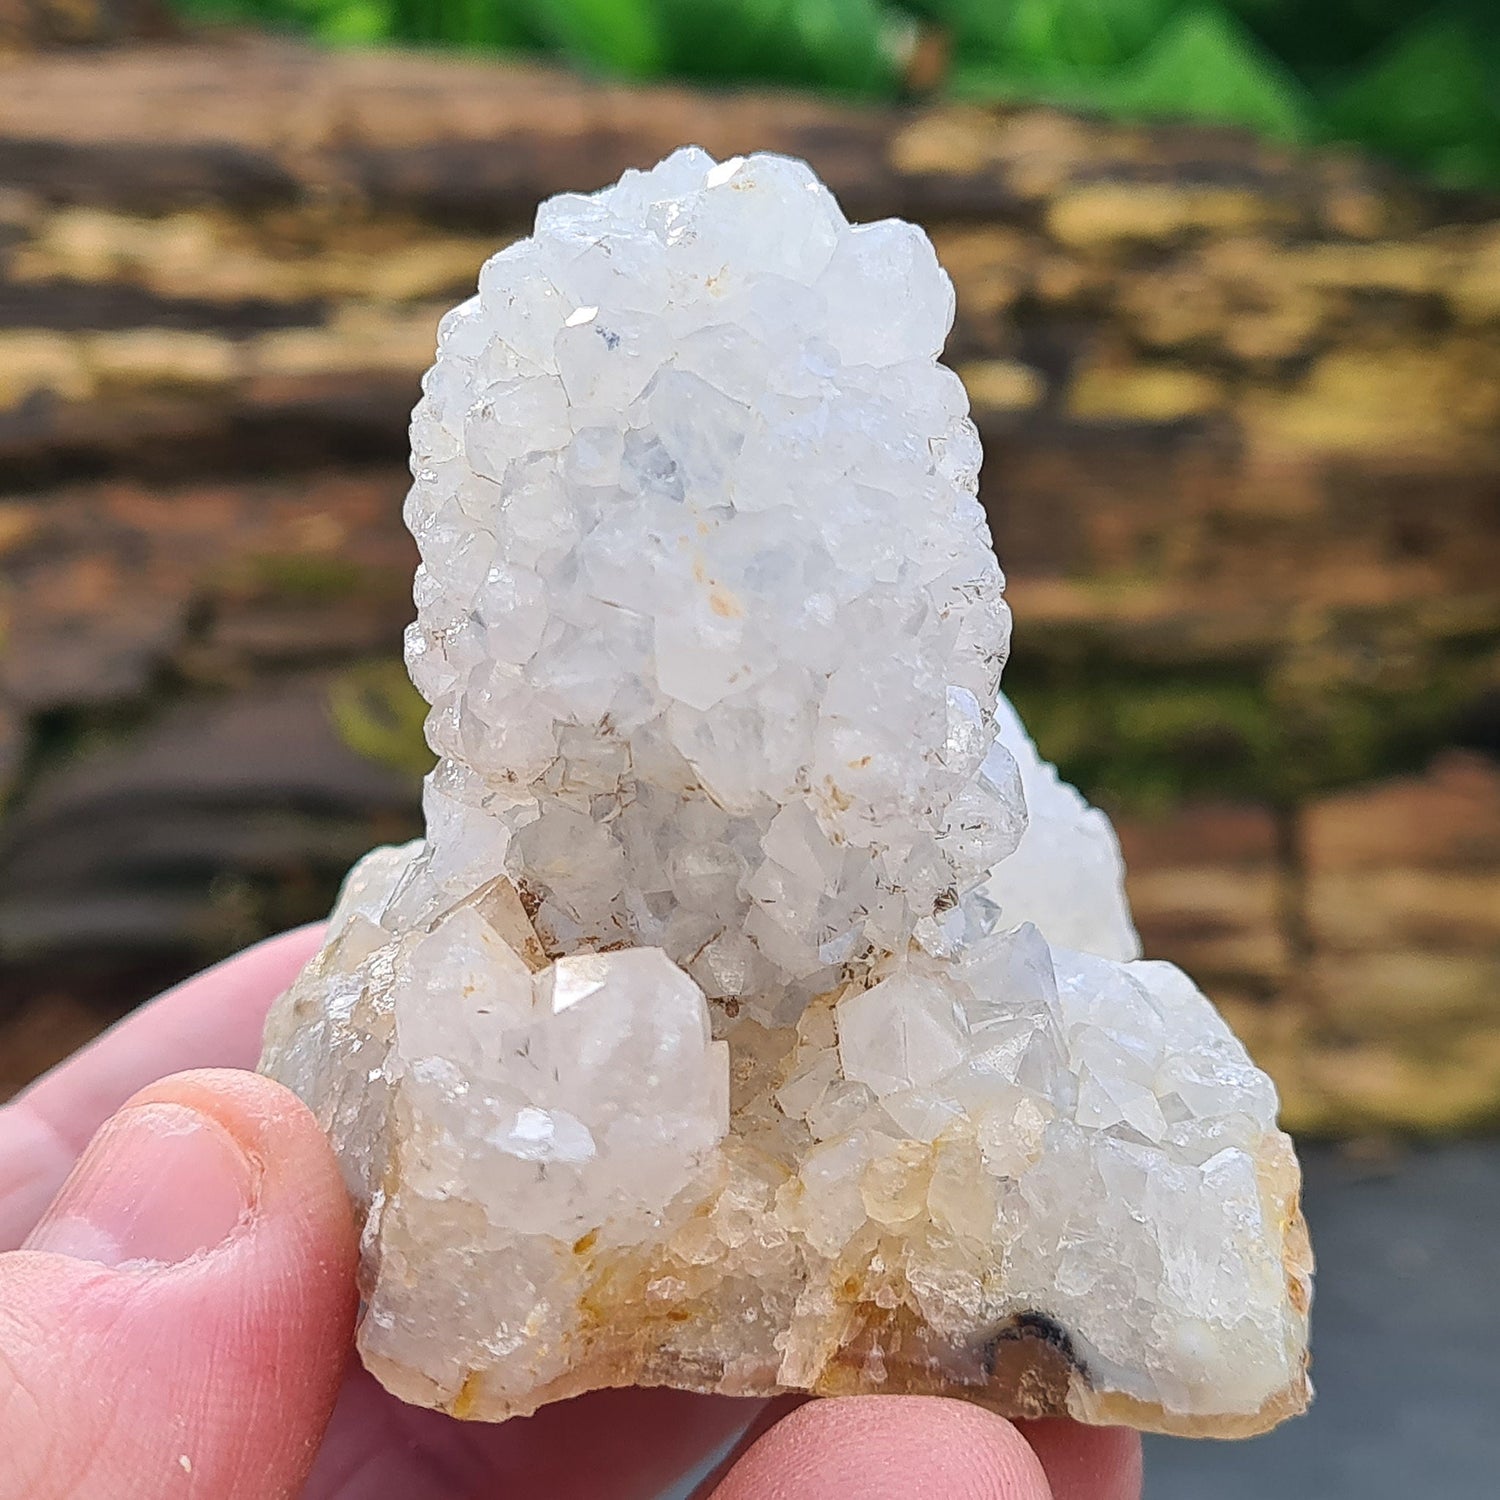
[[926, 1448], [211, 1021], [888, 1448]]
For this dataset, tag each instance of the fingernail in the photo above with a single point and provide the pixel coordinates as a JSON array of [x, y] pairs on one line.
[[158, 1184]]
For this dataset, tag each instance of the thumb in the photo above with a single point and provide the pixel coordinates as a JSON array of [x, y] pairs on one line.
[[177, 1323]]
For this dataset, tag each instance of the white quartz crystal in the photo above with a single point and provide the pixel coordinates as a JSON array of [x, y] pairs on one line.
[[1065, 875], [732, 1028]]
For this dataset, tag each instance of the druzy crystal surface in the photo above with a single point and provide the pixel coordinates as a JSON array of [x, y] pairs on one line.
[[759, 1012]]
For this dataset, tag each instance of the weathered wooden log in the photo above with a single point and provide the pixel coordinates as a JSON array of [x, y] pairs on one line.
[[1242, 408], [32, 25]]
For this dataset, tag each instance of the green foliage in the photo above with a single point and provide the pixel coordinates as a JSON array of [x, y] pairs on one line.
[[1144, 740], [851, 46], [1145, 746], [622, 36], [378, 714], [1077, 38], [1432, 97], [1416, 79], [301, 575], [1209, 65]]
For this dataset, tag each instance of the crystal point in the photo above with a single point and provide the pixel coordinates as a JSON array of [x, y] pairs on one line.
[[760, 1012]]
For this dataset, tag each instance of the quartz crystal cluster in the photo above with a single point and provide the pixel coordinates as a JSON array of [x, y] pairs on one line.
[[759, 1012]]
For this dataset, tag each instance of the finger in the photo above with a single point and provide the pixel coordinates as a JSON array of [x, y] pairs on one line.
[[609, 1445], [213, 1020], [888, 1448], [179, 1320], [624, 1444], [769, 1415], [1087, 1463]]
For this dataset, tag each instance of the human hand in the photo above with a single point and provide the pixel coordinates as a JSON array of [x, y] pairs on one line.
[[177, 1322]]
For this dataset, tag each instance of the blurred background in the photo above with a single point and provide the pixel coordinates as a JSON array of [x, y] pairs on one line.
[[1228, 279]]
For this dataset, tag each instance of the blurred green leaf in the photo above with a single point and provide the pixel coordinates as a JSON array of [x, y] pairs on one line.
[[850, 45], [620, 36], [1431, 99], [974, 24], [1313, 36], [1080, 36], [1206, 64], [379, 715], [356, 22], [1048, 36], [988, 82], [495, 24], [857, 42]]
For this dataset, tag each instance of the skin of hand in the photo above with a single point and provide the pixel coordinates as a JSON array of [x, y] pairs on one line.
[[177, 1304]]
